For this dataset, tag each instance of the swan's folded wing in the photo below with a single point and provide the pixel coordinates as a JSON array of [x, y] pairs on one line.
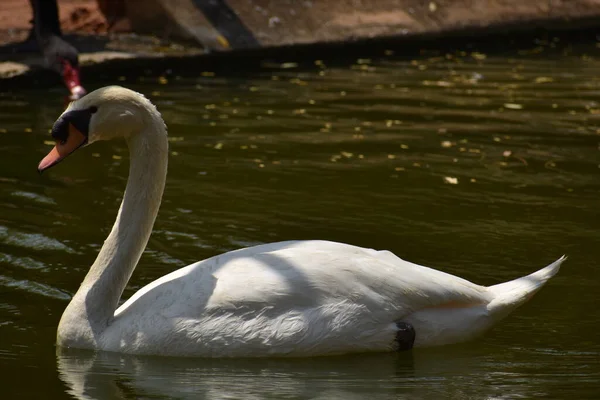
[[315, 273]]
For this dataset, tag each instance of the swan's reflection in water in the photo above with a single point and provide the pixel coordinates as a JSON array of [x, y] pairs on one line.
[[452, 372]]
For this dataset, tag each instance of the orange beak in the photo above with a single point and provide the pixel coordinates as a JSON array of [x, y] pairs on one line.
[[74, 141]]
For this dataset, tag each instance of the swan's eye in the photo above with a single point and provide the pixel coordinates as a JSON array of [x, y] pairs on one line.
[[93, 109]]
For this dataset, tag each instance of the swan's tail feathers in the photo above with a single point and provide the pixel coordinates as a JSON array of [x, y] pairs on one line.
[[510, 295]]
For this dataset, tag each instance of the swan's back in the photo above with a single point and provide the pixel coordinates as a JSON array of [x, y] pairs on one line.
[[320, 272]]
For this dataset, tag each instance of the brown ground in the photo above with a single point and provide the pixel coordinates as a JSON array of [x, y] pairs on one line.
[[76, 16], [276, 23]]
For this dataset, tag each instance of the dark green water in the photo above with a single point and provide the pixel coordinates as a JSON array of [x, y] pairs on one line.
[[484, 167]]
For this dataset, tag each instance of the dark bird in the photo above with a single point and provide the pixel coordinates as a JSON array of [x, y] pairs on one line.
[[59, 55]]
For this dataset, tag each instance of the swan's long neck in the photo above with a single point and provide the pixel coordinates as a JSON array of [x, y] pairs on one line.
[[92, 308]]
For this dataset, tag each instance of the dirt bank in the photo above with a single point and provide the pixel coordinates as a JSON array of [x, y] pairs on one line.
[[102, 30]]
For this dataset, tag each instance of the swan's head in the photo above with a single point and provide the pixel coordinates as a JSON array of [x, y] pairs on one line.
[[106, 113]]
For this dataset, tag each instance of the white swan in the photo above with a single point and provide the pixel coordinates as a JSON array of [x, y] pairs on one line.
[[294, 298]]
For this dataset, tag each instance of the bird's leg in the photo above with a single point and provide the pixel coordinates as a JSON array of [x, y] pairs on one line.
[[45, 18], [405, 336]]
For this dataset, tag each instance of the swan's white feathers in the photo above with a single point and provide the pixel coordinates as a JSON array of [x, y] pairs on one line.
[[289, 297]]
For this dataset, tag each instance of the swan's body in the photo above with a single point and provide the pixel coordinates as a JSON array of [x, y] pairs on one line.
[[291, 298]]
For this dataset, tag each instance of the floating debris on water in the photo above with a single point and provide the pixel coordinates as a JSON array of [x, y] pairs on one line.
[[513, 106], [288, 65], [437, 83], [478, 56]]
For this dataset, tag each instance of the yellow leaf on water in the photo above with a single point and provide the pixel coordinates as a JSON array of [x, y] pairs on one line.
[[513, 106], [450, 180]]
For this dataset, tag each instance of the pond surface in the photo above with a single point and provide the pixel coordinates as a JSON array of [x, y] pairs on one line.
[[487, 167]]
